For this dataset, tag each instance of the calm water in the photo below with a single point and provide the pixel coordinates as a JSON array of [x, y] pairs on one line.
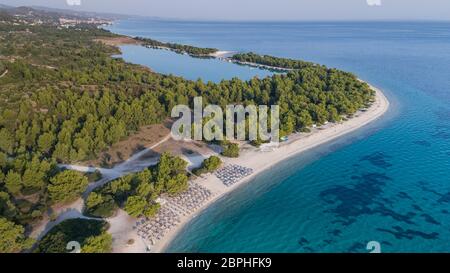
[[389, 182], [169, 62]]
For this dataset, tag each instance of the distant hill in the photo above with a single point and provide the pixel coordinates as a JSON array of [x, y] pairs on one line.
[[47, 11], [5, 7], [80, 13], [49, 15]]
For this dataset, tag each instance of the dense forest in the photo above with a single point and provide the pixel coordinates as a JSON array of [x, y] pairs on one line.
[[65, 99], [191, 50], [136, 193], [272, 61], [90, 234]]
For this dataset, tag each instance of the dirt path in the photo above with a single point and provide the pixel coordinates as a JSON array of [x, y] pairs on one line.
[[74, 210]]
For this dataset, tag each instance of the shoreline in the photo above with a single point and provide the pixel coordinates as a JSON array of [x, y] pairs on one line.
[[261, 161]]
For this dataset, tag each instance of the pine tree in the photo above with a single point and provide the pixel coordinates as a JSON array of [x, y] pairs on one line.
[[13, 182]]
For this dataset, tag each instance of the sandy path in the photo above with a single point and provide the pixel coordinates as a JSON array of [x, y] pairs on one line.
[[74, 210], [4, 73]]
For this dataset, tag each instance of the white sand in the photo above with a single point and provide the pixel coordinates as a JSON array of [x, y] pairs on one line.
[[222, 54], [259, 161], [4, 73], [122, 234]]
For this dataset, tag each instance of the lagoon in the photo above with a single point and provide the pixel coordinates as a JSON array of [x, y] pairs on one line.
[[169, 62]]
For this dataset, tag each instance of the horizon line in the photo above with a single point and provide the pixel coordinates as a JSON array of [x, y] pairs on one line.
[[155, 17]]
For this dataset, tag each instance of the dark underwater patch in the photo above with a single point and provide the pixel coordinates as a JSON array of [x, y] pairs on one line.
[[423, 143], [357, 248], [335, 232], [442, 135], [423, 187], [445, 198], [361, 198], [302, 241], [387, 201], [441, 132], [365, 197], [308, 249], [345, 223], [378, 159], [400, 233], [416, 207], [428, 218], [404, 195], [406, 218]]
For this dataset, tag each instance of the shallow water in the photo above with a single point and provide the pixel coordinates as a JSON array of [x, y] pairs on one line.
[[389, 182], [169, 62]]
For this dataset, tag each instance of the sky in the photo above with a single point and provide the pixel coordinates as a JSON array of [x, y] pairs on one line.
[[274, 10]]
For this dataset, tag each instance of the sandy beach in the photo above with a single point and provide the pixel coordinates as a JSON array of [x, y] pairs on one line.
[[222, 54], [262, 160]]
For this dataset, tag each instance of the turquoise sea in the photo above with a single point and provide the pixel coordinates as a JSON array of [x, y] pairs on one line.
[[388, 182]]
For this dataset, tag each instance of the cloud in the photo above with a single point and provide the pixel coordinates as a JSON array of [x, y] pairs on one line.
[[374, 3], [73, 2]]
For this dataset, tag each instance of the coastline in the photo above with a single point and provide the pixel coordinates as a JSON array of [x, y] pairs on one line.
[[260, 161], [251, 157]]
